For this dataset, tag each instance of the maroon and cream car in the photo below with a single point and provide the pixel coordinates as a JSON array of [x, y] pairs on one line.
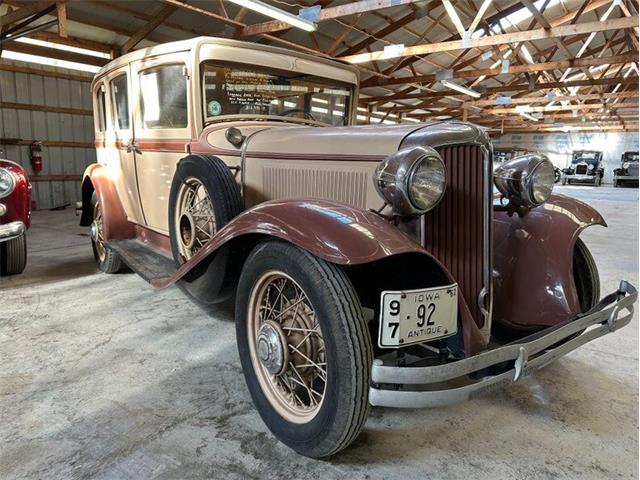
[[15, 217], [371, 265]]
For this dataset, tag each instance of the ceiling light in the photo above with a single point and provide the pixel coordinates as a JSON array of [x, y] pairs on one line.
[[278, 14], [460, 88]]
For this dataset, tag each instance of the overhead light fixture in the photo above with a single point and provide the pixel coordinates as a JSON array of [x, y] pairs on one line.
[[460, 88], [276, 13]]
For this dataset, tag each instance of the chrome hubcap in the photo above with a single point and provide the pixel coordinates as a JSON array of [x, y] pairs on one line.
[[271, 351], [94, 231]]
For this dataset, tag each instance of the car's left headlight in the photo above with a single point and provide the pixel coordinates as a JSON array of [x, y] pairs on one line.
[[526, 180], [625, 165], [412, 181], [7, 182]]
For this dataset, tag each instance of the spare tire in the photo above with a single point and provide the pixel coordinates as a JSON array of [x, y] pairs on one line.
[[204, 197]]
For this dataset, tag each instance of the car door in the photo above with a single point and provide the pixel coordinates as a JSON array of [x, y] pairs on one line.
[[120, 137], [162, 133]]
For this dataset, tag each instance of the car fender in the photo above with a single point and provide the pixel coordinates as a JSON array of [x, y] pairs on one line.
[[532, 261], [332, 231], [114, 219]]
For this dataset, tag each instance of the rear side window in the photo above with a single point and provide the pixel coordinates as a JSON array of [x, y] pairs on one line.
[[120, 102], [163, 97], [102, 111]]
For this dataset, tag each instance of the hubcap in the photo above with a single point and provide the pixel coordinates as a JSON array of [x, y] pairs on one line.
[[97, 235], [195, 219], [94, 231], [286, 346], [271, 351]]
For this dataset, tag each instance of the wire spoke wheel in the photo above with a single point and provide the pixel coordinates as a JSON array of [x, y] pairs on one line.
[[287, 347], [195, 219], [97, 233]]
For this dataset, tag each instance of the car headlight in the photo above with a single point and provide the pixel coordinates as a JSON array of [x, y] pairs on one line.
[[625, 165], [412, 181], [7, 182], [590, 166], [526, 181]]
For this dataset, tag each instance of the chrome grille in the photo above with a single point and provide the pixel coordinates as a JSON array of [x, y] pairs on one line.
[[581, 170], [454, 231]]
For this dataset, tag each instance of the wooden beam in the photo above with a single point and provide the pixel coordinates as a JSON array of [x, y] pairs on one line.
[[164, 13], [73, 41], [536, 13], [61, 9], [453, 15], [44, 73], [560, 108], [46, 143], [523, 36], [560, 98], [46, 108], [513, 69], [325, 14], [479, 15], [23, 12]]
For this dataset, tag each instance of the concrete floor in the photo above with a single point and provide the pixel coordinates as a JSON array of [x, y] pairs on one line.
[[103, 377]]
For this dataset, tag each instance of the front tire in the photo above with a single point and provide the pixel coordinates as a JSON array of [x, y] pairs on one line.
[[13, 256], [305, 349]]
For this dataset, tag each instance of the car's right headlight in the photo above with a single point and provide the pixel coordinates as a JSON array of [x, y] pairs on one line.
[[7, 182], [412, 181], [526, 180]]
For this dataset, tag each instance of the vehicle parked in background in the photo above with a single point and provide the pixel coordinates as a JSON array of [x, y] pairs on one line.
[[371, 265], [15, 217], [501, 155], [627, 174], [585, 168]]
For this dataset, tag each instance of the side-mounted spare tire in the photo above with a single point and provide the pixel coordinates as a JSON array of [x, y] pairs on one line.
[[204, 197]]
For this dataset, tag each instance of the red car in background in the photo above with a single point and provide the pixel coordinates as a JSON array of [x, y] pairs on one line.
[[15, 217]]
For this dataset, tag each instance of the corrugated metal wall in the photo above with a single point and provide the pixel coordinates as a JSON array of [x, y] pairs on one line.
[[47, 126]]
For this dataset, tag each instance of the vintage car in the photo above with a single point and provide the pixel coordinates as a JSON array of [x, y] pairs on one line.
[[585, 168], [627, 174], [371, 265], [15, 217]]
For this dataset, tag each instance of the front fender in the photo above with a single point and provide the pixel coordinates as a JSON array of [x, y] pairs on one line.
[[532, 260], [114, 219], [330, 230], [333, 231]]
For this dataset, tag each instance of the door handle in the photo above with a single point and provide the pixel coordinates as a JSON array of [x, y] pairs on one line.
[[133, 147]]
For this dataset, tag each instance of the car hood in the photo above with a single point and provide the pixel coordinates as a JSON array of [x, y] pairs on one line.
[[355, 142]]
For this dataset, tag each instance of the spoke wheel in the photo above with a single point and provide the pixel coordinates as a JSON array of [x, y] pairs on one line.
[[97, 233], [195, 220], [287, 347]]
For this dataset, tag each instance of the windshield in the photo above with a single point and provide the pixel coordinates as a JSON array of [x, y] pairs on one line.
[[242, 90], [630, 157], [587, 157]]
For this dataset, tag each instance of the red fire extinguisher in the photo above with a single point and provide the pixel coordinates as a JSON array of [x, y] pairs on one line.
[[36, 157]]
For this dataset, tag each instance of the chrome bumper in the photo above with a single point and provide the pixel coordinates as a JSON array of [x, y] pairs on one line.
[[626, 177], [11, 230], [581, 178], [416, 387]]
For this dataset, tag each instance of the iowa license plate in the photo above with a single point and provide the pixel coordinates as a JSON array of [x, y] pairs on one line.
[[416, 316]]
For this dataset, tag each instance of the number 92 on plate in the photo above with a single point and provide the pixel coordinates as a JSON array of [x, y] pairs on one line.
[[416, 316]]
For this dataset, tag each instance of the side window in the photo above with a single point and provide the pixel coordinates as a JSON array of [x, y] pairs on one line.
[[120, 102], [163, 97], [102, 111]]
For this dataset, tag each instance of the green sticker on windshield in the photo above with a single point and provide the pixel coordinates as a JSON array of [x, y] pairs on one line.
[[214, 108]]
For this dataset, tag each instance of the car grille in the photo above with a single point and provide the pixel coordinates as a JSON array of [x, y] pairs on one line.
[[581, 170], [633, 169], [454, 230]]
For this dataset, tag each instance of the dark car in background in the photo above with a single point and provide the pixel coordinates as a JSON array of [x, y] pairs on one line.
[[585, 168], [15, 217], [627, 174]]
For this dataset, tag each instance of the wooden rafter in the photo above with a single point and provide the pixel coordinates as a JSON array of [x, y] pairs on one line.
[[164, 13]]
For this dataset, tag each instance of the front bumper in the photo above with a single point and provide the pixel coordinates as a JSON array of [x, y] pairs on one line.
[[11, 230], [626, 177], [416, 387], [582, 178]]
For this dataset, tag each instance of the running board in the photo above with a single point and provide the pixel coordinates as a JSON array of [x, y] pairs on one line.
[[143, 259]]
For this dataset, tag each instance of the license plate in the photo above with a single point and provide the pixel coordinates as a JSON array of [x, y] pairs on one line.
[[416, 316]]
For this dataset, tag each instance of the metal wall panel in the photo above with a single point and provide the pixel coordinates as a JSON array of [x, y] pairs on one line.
[[47, 126]]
